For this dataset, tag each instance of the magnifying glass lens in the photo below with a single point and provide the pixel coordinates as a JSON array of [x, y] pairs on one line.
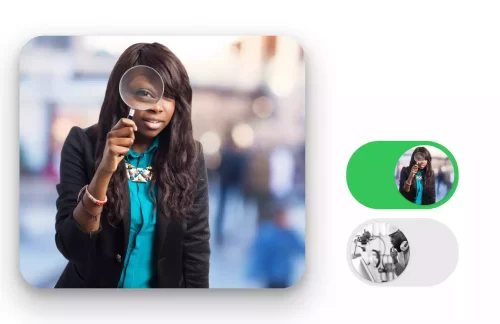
[[140, 98], [419, 157], [141, 87]]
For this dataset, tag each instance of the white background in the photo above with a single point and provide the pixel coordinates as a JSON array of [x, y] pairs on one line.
[[377, 70]]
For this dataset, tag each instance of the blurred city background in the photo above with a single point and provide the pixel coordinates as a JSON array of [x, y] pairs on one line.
[[442, 166], [248, 112]]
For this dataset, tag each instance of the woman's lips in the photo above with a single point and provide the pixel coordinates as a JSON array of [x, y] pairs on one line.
[[152, 124]]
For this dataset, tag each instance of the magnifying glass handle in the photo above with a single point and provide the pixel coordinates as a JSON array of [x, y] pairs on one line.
[[131, 114], [131, 117]]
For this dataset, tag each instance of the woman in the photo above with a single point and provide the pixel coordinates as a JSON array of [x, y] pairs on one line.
[[116, 230], [400, 252], [417, 181]]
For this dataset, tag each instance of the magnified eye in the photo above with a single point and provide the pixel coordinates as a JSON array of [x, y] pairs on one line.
[[144, 93]]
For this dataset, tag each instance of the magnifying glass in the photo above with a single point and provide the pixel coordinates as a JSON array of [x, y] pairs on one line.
[[141, 88], [419, 157]]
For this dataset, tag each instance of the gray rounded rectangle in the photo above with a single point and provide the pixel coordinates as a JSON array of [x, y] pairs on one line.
[[434, 252]]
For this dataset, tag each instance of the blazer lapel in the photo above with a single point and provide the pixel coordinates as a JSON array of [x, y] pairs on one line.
[[162, 222], [126, 216]]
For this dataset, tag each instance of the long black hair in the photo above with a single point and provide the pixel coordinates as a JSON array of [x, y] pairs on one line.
[[428, 173], [174, 161]]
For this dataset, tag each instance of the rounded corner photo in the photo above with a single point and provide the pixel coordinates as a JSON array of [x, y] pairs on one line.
[[380, 252], [425, 176], [140, 168]]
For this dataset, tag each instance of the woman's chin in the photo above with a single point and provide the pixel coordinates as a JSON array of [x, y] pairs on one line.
[[149, 133]]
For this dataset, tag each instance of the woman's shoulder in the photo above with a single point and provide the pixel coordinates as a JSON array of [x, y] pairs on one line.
[[405, 169], [200, 156], [79, 133], [79, 139], [90, 130]]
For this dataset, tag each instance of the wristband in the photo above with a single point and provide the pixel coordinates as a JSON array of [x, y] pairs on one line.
[[94, 200]]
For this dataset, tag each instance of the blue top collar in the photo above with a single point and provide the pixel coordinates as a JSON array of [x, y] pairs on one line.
[[150, 149]]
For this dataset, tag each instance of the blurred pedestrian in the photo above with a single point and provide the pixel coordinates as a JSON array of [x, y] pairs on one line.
[[231, 172], [440, 179], [275, 249]]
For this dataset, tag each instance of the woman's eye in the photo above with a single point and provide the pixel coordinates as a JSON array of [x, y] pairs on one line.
[[144, 93]]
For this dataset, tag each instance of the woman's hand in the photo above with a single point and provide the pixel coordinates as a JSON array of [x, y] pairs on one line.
[[413, 171], [119, 141]]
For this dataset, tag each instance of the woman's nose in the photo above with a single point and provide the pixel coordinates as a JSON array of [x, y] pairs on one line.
[[157, 108]]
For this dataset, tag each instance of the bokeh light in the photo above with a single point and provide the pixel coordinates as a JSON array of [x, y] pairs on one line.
[[243, 135], [262, 107], [211, 142]]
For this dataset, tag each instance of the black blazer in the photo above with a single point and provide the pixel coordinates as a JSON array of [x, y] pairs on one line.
[[96, 259], [428, 196]]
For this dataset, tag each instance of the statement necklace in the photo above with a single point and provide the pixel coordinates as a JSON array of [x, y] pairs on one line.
[[138, 174]]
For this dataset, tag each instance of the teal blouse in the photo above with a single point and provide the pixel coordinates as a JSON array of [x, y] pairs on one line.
[[420, 188], [139, 267]]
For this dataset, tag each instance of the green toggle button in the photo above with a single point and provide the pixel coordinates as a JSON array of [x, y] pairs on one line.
[[373, 178]]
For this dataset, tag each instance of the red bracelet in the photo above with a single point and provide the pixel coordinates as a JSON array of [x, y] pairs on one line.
[[95, 201]]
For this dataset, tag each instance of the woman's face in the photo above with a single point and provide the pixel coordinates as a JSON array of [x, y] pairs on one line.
[[151, 122], [397, 239], [422, 164], [420, 157], [142, 91]]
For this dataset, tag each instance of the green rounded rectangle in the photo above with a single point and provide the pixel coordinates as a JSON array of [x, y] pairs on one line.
[[371, 169]]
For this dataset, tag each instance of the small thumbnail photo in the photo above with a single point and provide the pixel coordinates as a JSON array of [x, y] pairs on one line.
[[380, 252]]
